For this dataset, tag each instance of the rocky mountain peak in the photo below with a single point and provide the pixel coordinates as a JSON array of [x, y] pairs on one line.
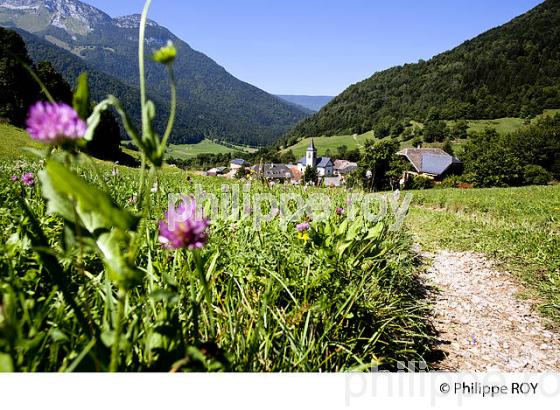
[[72, 16], [132, 21]]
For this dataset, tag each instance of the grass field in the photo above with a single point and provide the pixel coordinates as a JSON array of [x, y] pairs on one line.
[[501, 125], [192, 150], [92, 289], [345, 298], [14, 142], [330, 143], [518, 227]]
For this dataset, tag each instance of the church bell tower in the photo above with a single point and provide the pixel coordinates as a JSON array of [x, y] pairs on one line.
[[311, 156]]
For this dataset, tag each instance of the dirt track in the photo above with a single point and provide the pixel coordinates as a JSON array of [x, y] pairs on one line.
[[482, 324]]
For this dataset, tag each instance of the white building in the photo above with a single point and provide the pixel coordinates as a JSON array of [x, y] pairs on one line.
[[323, 165]]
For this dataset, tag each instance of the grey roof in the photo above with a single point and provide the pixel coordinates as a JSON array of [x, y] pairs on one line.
[[348, 169], [324, 162], [344, 167], [275, 171], [240, 162], [301, 161], [433, 161]]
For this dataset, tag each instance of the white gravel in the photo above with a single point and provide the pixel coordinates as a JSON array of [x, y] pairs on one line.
[[482, 324]]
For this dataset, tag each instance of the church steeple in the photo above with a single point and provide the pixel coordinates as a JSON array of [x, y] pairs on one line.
[[311, 155]]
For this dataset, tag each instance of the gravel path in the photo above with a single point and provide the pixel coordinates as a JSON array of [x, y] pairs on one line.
[[482, 325]]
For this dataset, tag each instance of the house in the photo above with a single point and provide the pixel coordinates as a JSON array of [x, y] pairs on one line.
[[431, 162], [297, 175], [274, 172], [343, 167], [323, 165], [214, 172], [335, 181], [238, 163]]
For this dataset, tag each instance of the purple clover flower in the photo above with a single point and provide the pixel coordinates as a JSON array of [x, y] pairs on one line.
[[339, 211], [183, 229], [15, 178], [303, 227], [28, 179], [54, 123]]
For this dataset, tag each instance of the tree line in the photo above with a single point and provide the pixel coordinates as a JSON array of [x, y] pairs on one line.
[[19, 90]]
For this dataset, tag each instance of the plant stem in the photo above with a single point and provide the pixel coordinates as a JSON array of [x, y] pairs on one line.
[[141, 40], [206, 289], [173, 108], [194, 306], [114, 367]]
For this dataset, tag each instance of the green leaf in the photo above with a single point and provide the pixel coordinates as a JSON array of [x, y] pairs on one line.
[[375, 232], [81, 100], [68, 193], [113, 246], [81, 203], [6, 364]]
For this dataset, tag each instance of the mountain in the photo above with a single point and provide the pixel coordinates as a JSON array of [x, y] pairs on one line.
[[70, 67], [212, 103], [311, 102], [509, 71]]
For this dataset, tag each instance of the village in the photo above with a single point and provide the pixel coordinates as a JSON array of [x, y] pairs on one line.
[[430, 163]]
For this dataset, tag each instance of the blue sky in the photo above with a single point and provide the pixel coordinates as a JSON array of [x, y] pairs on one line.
[[319, 47]]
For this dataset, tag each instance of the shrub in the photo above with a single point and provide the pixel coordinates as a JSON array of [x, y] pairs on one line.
[[452, 181], [536, 175], [421, 182]]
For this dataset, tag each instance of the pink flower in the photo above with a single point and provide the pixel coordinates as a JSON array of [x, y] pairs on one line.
[[182, 229], [303, 227], [28, 179], [15, 178], [339, 211], [54, 123]]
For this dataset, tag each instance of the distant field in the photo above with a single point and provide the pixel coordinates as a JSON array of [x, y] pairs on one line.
[[203, 147], [13, 142], [332, 143], [501, 125], [519, 227]]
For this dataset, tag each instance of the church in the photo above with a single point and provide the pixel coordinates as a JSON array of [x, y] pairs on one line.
[[323, 165]]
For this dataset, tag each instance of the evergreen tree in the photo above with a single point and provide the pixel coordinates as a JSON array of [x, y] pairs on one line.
[[310, 175]]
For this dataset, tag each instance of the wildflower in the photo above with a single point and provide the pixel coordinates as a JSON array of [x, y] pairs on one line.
[[304, 236], [165, 55], [15, 178], [28, 179], [133, 199], [183, 229], [115, 172], [339, 211], [155, 188], [303, 227], [54, 123]]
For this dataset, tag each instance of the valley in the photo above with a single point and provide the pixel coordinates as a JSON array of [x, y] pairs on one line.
[[161, 215]]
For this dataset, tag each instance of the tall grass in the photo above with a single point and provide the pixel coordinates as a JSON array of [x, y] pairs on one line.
[[345, 300], [86, 285]]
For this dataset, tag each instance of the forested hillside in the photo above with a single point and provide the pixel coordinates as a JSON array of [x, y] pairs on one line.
[[70, 66], [510, 71]]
